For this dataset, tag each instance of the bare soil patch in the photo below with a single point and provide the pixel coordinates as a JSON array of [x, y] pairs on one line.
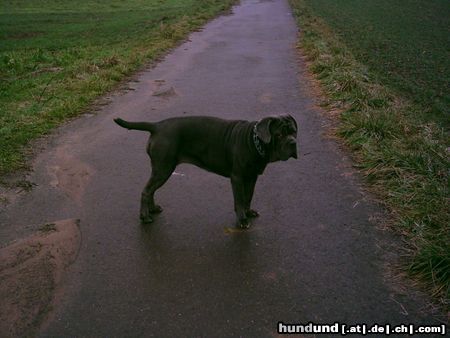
[[31, 271]]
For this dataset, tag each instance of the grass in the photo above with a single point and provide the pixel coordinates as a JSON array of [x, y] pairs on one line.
[[57, 56], [399, 138], [405, 45]]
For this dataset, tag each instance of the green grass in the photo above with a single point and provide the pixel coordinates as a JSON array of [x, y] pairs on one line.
[[405, 44], [398, 143], [57, 56]]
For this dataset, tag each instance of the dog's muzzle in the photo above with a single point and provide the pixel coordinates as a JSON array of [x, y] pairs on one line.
[[293, 147]]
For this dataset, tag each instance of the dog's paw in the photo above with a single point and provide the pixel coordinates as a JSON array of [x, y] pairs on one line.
[[243, 223], [252, 213], [146, 219], [156, 209]]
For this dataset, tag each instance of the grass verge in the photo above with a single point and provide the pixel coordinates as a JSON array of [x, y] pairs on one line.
[[403, 155], [57, 56]]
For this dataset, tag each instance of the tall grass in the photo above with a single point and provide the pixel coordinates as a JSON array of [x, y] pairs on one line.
[[404, 157]]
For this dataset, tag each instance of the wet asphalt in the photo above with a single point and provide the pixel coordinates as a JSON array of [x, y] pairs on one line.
[[315, 254]]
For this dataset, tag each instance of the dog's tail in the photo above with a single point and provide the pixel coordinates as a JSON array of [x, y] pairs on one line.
[[145, 126]]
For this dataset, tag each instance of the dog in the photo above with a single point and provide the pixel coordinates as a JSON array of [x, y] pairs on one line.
[[236, 149]]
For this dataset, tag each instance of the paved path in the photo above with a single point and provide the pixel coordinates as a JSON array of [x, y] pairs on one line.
[[312, 255]]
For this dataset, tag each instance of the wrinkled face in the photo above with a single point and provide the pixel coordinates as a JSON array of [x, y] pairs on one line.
[[279, 133], [284, 138]]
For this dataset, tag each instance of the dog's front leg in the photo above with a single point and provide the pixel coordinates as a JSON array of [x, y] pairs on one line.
[[239, 194], [250, 183]]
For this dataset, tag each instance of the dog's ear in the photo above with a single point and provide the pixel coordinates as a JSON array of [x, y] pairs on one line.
[[263, 129], [293, 120]]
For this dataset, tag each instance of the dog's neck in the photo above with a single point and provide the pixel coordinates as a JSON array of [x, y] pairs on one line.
[[258, 143]]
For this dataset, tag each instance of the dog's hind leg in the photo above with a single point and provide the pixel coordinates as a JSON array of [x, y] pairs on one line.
[[157, 179], [159, 176], [163, 159]]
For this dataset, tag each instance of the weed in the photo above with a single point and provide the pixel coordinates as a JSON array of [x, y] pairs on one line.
[[48, 227]]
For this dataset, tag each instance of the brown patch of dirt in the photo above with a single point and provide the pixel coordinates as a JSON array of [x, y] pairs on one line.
[[160, 88], [165, 92], [31, 271], [265, 98], [12, 187], [70, 175]]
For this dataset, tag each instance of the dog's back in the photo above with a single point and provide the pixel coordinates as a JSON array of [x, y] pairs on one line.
[[185, 122]]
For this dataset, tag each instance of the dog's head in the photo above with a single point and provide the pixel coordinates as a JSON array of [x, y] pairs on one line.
[[279, 135]]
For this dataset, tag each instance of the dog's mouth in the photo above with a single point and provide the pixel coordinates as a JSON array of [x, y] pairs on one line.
[[293, 150], [287, 151], [288, 155]]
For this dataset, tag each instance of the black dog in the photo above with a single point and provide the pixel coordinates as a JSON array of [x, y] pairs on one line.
[[236, 149]]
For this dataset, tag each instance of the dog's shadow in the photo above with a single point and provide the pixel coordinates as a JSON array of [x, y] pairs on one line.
[[220, 254]]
